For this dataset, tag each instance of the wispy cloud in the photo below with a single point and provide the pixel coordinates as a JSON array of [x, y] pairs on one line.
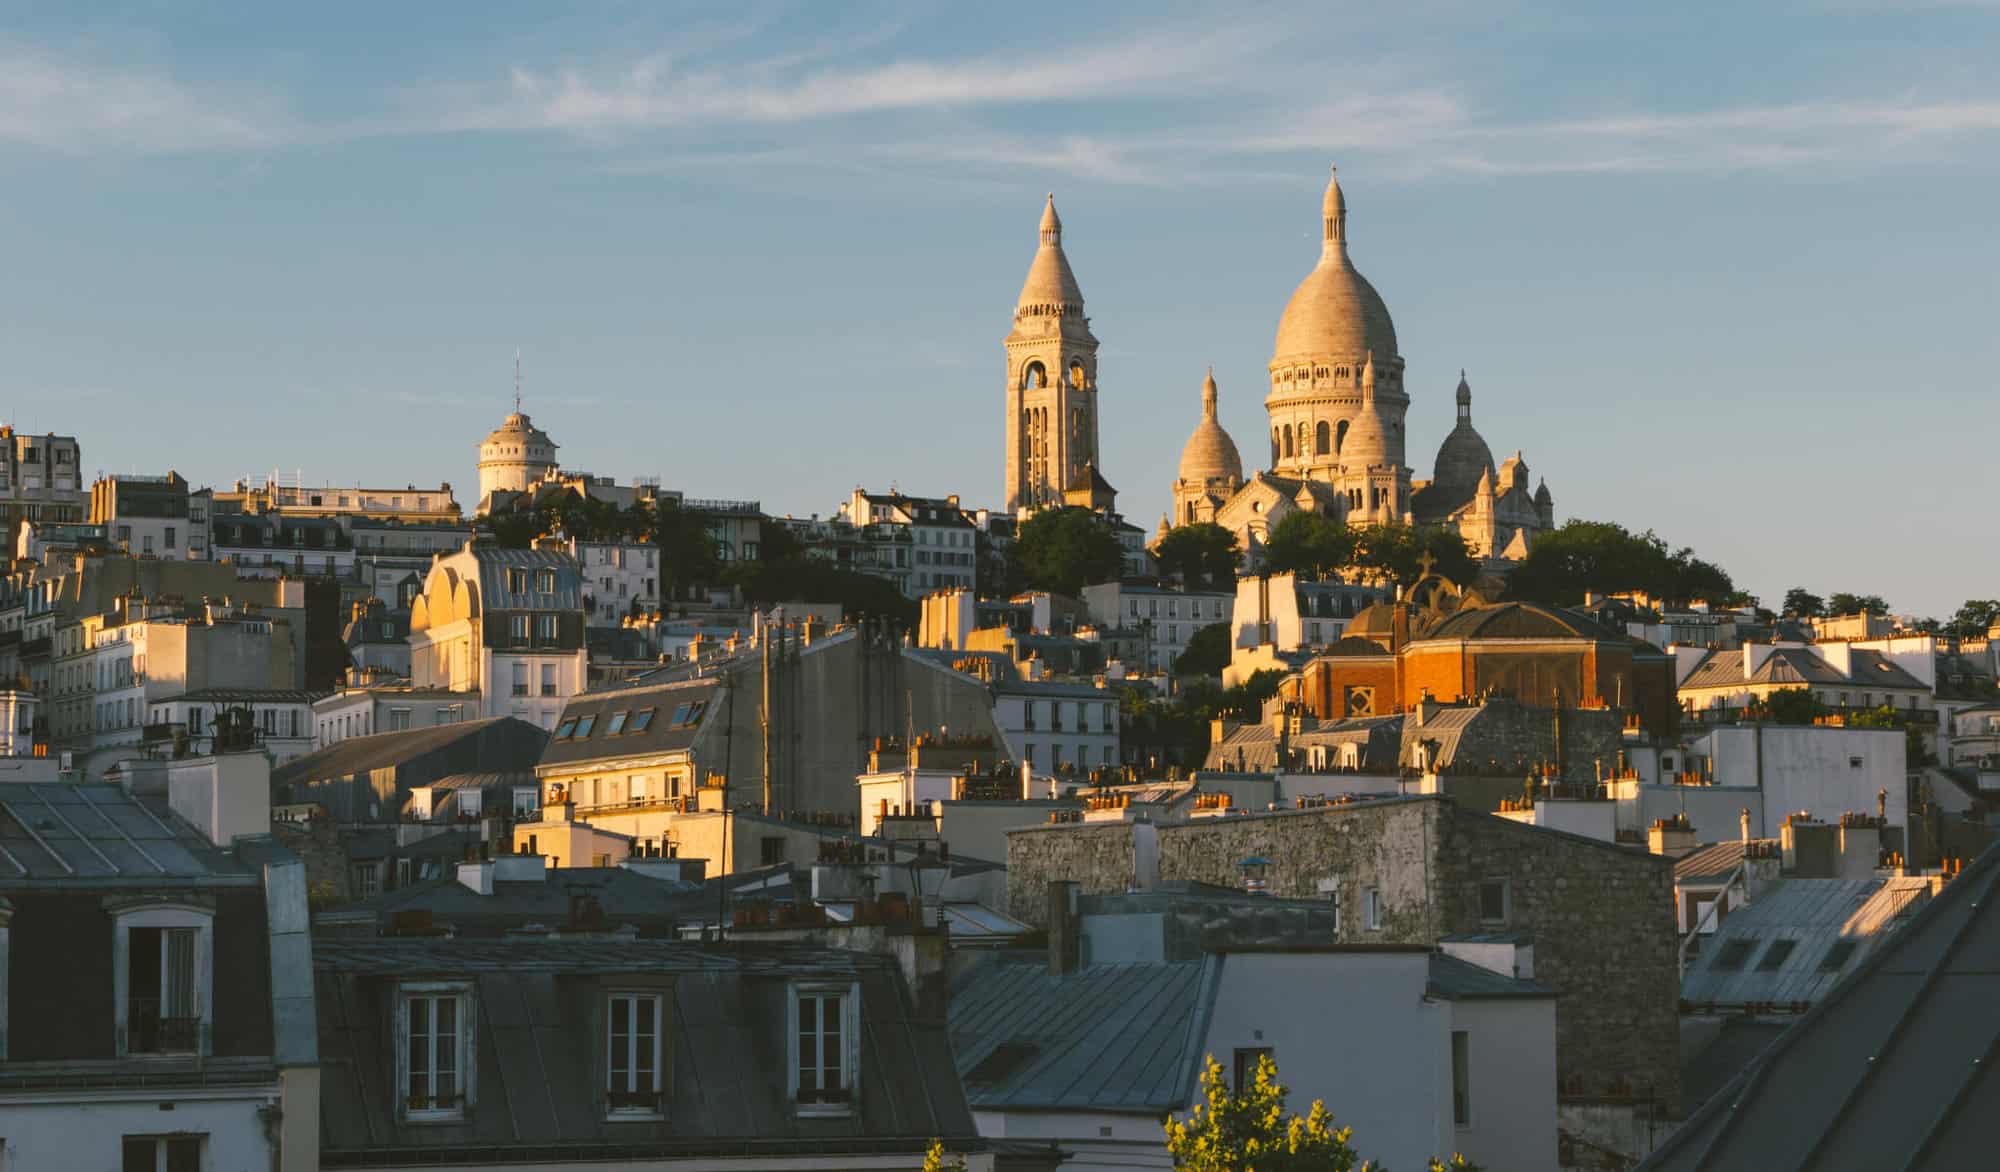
[[53, 103]]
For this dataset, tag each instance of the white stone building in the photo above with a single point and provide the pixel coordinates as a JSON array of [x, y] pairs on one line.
[[506, 625]]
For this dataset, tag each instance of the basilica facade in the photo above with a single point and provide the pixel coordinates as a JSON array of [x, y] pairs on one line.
[[1337, 405]]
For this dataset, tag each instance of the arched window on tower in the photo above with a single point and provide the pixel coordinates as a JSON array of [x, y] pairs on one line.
[[1288, 441], [1033, 377], [1274, 445], [1340, 436], [1076, 374], [1322, 438]]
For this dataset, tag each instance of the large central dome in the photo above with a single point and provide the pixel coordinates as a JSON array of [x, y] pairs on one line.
[[1335, 312]]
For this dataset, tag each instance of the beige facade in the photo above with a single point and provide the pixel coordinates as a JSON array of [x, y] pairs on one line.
[[1051, 381], [513, 456], [1337, 407]]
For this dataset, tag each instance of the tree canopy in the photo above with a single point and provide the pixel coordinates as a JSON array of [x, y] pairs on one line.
[[1066, 549], [1606, 558], [1801, 603], [1787, 706], [1843, 603], [1974, 618], [1207, 652], [1248, 1129], [800, 578], [1314, 545], [1202, 556]]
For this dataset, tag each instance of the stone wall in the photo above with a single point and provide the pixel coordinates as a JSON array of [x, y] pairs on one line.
[[1600, 916], [1101, 857]]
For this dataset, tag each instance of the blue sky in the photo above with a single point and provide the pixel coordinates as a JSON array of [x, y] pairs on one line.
[[1725, 271]]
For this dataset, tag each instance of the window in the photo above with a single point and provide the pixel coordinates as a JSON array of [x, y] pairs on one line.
[[1735, 953], [1461, 1078], [163, 973], [545, 581], [517, 581], [824, 1051], [641, 721], [1374, 905], [1836, 957], [435, 1055], [632, 1054], [583, 726], [399, 719], [770, 850], [1329, 889], [520, 679], [518, 625], [1775, 956], [617, 724], [1247, 1058], [1495, 901], [564, 729], [162, 1153], [545, 628], [549, 681], [1855, 762]]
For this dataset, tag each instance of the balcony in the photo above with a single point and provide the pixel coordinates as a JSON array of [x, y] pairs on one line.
[[147, 1032]]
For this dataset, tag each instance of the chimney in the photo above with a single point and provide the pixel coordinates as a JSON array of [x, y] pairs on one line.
[[1744, 818], [1811, 848], [1064, 937], [477, 877], [1671, 837]]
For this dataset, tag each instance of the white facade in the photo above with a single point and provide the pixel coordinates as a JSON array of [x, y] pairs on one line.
[[1168, 617], [365, 711], [617, 576], [1283, 612], [1049, 726], [1825, 772]]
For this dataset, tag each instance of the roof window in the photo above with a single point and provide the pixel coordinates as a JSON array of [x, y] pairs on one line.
[[564, 729], [641, 720], [617, 724], [583, 725], [1774, 957], [1837, 956], [1735, 953]]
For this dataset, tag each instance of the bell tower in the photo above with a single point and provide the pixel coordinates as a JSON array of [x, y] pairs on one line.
[[1051, 380]]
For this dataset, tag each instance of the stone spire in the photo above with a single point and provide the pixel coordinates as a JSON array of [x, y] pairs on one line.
[[1368, 383], [1051, 223], [1464, 399], [1208, 395], [1051, 289], [1333, 212]]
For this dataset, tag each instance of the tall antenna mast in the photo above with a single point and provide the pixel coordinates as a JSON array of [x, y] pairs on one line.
[[517, 380]]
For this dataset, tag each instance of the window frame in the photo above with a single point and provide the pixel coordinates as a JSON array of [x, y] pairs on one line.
[[850, 1044], [465, 1056], [1506, 886], [163, 915], [1372, 907], [662, 1006]]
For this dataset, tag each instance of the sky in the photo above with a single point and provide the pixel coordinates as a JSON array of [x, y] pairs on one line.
[[1722, 271]]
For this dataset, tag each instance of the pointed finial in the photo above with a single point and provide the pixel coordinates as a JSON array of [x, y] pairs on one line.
[[1051, 223], [1208, 395], [1333, 215], [517, 380]]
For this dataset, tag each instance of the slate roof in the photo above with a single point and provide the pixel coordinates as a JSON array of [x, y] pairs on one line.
[[1781, 949], [1893, 1069], [1709, 864], [538, 1068], [1453, 979], [99, 834], [653, 906], [660, 735], [494, 562], [380, 750], [1108, 1037]]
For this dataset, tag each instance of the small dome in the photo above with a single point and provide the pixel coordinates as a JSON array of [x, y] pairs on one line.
[[1367, 441], [1210, 454], [518, 429], [1335, 311], [1050, 285], [1376, 620], [1463, 458]]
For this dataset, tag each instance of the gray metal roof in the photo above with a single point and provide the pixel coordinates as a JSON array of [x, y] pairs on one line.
[[383, 750], [1780, 949], [1108, 1037], [1453, 979], [101, 833], [1709, 864], [662, 732], [1893, 1069]]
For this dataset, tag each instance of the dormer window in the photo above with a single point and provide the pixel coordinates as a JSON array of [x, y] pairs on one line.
[[434, 1061], [825, 1027], [633, 1055], [545, 581], [163, 978]]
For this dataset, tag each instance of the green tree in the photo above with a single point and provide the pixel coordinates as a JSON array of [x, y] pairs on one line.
[[1311, 545], [1801, 603], [1606, 558], [936, 1159], [1890, 717], [1245, 701], [804, 579], [687, 549], [1787, 706], [1397, 552], [1247, 1130], [1843, 603], [1064, 550], [1202, 556], [777, 543], [1974, 619], [1207, 652]]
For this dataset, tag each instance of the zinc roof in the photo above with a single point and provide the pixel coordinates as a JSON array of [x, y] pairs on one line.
[[101, 833]]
